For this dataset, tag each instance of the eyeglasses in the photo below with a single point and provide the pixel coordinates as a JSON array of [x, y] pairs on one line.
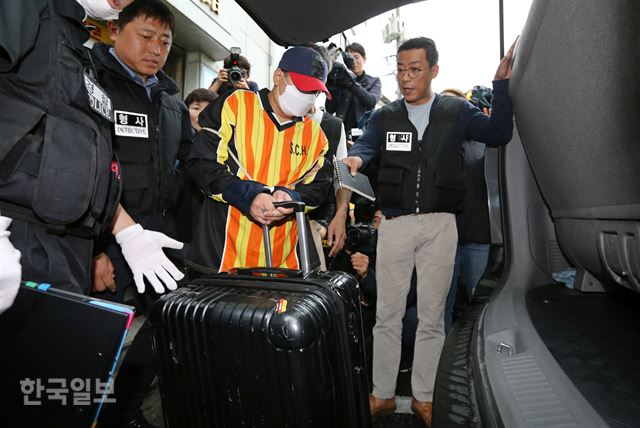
[[413, 72]]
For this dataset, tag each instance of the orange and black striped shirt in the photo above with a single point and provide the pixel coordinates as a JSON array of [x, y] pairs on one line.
[[242, 152]]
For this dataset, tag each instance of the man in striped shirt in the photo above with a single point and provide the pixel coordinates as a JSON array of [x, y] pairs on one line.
[[256, 149]]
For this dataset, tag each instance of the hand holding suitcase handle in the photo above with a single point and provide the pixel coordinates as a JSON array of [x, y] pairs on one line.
[[298, 206], [303, 237]]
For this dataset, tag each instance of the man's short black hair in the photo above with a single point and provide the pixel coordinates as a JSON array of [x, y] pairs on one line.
[[356, 47], [425, 43], [243, 63], [200, 95], [153, 9]]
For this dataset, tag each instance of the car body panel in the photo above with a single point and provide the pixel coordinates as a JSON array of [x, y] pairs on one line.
[[292, 22]]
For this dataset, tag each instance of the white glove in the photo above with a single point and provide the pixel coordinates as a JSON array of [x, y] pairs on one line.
[[142, 249], [10, 269]]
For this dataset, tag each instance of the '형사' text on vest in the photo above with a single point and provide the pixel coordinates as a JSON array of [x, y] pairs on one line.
[[422, 176]]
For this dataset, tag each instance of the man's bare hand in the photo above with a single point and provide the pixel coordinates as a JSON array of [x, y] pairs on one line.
[[223, 76], [242, 84], [353, 162], [103, 274], [506, 64], [261, 206], [336, 234], [263, 211], [217, 83], [360, 263], [280, 196]]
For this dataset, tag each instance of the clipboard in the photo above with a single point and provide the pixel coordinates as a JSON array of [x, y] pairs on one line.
[[54, 340]]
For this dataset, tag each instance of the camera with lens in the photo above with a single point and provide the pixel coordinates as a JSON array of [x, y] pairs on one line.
[[235, 73], [342, 71], [361, 238]]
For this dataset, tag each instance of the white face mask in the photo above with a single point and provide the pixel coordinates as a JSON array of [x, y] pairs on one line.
[[321, 100], [296, 103], [99, 9]]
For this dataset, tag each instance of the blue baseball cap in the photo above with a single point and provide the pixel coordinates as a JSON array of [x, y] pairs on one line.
[[306, 68]]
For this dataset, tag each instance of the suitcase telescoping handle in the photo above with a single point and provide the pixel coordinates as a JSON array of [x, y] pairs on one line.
[[303, 236]]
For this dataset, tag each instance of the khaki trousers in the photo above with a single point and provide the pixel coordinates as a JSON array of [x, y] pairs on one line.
[[428, 242], [317, 241]]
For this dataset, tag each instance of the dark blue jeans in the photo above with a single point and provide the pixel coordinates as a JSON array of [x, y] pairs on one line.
[[471, 262]]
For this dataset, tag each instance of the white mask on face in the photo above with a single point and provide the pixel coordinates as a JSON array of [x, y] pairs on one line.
[[296, 103], [99, 9], [321, 100]]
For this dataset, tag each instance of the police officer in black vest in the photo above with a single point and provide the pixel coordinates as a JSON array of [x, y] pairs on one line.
[[59, 181], [420, 187], [152, 137], [151, 129]]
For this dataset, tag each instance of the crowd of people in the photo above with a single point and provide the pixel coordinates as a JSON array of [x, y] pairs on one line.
[[105, 174]]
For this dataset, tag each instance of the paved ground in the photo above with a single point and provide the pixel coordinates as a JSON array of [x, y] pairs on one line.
[[403, 418]]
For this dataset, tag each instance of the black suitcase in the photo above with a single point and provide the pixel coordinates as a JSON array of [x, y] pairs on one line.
[[263, 348]]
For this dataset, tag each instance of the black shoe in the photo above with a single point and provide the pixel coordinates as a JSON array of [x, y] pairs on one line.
[[139, 422]]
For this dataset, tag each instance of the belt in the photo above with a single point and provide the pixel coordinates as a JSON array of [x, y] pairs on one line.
[[391, 217]]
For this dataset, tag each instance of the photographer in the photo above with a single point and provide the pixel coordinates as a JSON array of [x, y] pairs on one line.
[[358, 254], [353, 91], [234, 75], [358, 258]]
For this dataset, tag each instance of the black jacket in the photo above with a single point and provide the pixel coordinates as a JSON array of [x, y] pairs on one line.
[[152, 136], [473, 222], [332, 128], [351, 102]]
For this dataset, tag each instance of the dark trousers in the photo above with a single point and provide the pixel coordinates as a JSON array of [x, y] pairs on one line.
[[138, 368], [137, 371], [62, 261]]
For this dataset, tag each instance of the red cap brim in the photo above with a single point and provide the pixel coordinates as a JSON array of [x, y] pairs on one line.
[[306, 83]]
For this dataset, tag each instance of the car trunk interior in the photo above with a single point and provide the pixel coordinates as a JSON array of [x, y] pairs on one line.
[[595, 338], [554, 356]]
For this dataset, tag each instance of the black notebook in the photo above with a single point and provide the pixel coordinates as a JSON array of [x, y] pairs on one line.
[[358, 183]]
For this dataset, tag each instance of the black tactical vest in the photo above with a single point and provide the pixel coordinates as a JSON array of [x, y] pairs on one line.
[[56, 159], [422, 176], [146, 136], [332, 128]]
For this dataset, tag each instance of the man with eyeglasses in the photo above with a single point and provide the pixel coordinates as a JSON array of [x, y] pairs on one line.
[[420, 188]]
